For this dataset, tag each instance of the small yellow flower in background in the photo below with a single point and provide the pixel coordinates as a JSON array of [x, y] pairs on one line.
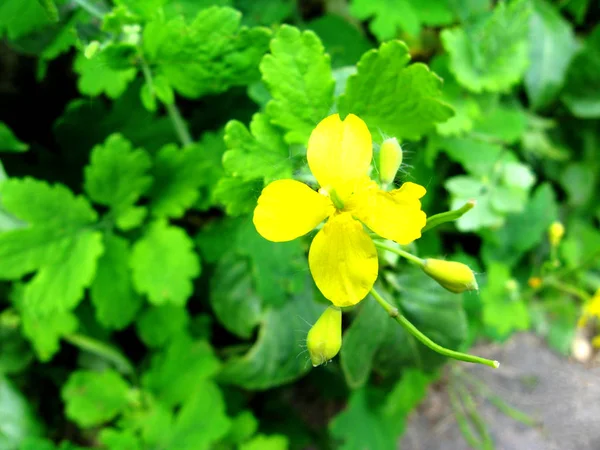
[[590, 310], [534, 282], [453, 276], [324, 339], [342, 257], [556, 231]]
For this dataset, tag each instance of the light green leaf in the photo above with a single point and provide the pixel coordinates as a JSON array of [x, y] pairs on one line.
[[176, 370], [119, 440], [21, 17], [58, 242], [159, 325], [258, 153], [503, 311], [361, 341], [388, 16], [112, 293], [582, 88], [117, 177], [9, 142], [391, 98], [505, 123], [164, 263], [17, 422], [492, 53], [92, 398], [263, 442], [298, 75], [552, 46], [239, 197], [208, 55], [97, 77], [178, 175]]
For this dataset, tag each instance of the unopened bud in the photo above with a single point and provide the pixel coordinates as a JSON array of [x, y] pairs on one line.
[[91, 49], [534, 282], [555, 233], [454, 276], [325, 337], [390, 160]]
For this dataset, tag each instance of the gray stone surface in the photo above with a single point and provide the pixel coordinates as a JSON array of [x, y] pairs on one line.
[[562, 395]]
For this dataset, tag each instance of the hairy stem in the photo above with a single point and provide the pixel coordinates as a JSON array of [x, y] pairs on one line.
[[448, 216]]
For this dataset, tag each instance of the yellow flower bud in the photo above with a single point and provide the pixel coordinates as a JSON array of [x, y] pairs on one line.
[[534, 282], [555, 233], [390, 160], [454, 276], [325, 337]]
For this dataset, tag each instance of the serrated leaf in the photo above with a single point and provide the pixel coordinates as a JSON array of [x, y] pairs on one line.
[[97, 77], [258, 153], [9, 142], [159, 325], [582, 88], [112, 292], [164, 263], [117, 176], [399, 101], [298, 75], [491, 54], [92, 398], [552, 46], [179, 368], [178, 175], [388, 16], [58, 242], [208, 55], [238, 196]]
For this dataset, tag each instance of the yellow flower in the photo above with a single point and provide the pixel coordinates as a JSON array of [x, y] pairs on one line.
[[556, 231], [342, 257], [591, 309]]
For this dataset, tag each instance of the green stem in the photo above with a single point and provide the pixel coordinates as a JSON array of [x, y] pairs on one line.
[[448, 216], [418, 261], [408, 326], [102, 349], [470, 408], [567, 288], [85, 4]]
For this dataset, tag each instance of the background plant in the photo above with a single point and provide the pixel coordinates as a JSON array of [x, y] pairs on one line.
[[140, 308]]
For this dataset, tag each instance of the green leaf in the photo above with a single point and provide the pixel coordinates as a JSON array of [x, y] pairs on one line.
[[491, 54], [361, 341], [522, 232], [207, 56], [578, 180], [505, 123], [35, 443], [274, 359], [389, 16], [582, 88], [164, 263], [503, 311], [17, 422], [258, 153], [15, 352], [97, 77], [298, 75], [239, 197], [233, 298], [176, 370], [553, 45], [178, 175], [394, 99], [92, 398], [9, 142], [21, 17], [158, 325], [119, 440], [263, 442], [117, 177], [343, 41], [373, 420], [58, 242], [266, 12], [112, 292]]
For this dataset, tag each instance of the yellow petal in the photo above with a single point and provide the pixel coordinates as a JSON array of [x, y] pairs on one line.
[[343, 260], [288, 209], [339, 151], [394, 215]]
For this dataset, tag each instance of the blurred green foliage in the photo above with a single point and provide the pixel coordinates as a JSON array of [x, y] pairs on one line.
[[140, 309]]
